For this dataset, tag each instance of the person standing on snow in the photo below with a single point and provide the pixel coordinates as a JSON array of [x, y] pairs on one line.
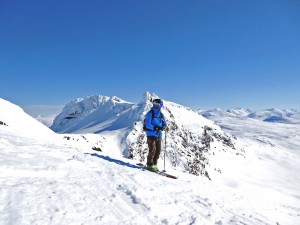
[[155, 123]]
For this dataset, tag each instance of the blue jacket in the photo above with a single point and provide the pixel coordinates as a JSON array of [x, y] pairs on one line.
[[158, 120]]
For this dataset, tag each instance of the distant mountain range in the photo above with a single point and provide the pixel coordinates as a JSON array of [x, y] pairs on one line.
[[269, 115]]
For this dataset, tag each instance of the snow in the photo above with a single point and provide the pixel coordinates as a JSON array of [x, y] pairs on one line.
[[188, 118], [90, 115], [267, 115], [112, 116], [61, 180], [276, 146], [18, 121]]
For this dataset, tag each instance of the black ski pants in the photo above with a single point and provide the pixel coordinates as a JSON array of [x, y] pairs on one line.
[[154, 145]]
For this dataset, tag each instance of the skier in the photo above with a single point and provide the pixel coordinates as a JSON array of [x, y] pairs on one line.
[[155, 123]]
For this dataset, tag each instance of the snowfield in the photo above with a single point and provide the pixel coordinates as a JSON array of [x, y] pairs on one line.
[[48, 178]]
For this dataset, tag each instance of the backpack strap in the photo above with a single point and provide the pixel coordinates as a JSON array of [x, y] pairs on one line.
[[153, 116]]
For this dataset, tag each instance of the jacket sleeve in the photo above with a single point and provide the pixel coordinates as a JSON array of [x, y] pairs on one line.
[[148, 121], [164, 122]]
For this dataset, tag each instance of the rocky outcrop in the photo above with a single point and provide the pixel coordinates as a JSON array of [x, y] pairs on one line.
[[2, 123]]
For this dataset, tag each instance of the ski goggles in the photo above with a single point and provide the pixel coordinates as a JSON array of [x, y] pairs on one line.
[[160, 105]]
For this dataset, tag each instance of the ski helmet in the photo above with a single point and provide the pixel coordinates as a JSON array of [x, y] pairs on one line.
[[157, 103]]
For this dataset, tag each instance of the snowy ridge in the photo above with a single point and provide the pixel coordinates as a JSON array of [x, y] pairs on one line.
[[192, 140], [88, 115]]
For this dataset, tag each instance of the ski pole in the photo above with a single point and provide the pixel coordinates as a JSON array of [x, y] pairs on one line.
[[165, 151]]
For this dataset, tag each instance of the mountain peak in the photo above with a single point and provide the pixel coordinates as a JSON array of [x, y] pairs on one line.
[[89, 110], [148, 97]]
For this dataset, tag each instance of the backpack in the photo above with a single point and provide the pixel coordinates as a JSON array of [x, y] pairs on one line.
[[144, 123]]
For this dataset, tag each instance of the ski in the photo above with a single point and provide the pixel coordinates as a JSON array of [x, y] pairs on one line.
[[143, 167], [166, 174]]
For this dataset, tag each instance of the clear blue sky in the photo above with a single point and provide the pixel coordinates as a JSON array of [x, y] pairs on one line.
[[203, 54]]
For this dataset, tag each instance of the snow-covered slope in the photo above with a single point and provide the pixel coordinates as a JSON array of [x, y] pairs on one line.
[[17, 120], [192, 140], [272, 149], [64, 182]]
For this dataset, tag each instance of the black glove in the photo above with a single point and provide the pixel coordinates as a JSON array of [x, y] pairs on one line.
[[156, 128]]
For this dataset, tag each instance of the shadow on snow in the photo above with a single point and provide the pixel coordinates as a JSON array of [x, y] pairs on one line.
[[119, 162]]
